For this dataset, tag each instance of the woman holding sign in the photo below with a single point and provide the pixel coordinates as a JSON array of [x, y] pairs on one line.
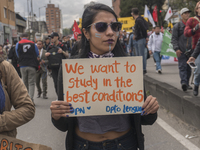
[[113, 132]]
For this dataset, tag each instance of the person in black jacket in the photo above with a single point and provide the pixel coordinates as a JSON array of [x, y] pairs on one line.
[[181, 44], [56, 51], [14, 60], [77, 46], [141, 27], [99, 131]]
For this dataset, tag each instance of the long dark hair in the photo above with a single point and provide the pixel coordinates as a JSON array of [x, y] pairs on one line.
[[87, 19]]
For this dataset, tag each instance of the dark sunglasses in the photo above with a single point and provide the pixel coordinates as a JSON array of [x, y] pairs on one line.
[[102, 26]]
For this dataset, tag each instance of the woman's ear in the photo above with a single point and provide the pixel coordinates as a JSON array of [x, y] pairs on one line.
[[86, 33]]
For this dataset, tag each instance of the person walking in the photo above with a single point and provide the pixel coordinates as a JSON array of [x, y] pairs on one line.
[[3, 53], [27, 53], [192, 30], [154, 46], [14, 60], [111, 132], [181, 44], [42, 71], [141, 27], [131, 44], [55, 53]]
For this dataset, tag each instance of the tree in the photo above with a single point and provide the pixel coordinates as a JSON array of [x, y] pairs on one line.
[[179, 4], [127, 5]]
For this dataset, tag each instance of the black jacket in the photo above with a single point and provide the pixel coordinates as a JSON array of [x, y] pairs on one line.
[[179, 41], [69, 124], [141, 27], [196, 52]]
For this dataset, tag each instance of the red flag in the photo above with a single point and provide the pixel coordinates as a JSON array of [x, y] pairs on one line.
[[76, 30], [155, 14]]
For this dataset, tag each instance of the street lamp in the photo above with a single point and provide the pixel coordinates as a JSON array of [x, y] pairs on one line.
[[39, 18]]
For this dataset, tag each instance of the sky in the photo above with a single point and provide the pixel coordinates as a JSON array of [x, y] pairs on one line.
[[71, 9]]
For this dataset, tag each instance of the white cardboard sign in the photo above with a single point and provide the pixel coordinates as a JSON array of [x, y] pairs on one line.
[[103, 86]]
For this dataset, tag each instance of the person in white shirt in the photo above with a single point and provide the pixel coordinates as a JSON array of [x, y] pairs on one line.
[[154, 45]]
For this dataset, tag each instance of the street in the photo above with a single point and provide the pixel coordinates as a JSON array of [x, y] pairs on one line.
[[40, 130]]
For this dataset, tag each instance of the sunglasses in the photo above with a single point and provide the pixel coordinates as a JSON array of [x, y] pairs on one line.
[[102, 26]]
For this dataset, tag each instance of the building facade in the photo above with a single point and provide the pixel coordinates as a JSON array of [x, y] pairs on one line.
[[20, 25], [53, 18], [116, 7], [7, 21]]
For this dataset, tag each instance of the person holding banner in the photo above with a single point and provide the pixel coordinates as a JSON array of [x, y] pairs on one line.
[[100, 29], [13, 93], [192, 30], [154, 45], [181, 44]]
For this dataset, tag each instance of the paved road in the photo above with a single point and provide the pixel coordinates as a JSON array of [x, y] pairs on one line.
[[40, 130], [170, 75]]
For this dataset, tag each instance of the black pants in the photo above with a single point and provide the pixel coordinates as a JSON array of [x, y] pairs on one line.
[[184, 69], [55, 78]]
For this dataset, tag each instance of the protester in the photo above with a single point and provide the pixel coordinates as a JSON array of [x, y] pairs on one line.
[[46, 43], [42, 71], [125, 40], [14, 60], [181, 44], [55, 53], [3, 53], [141, 27], [192, 30], [88, 132], [121, 39], [27, 53], [131, 44], [154, 45], [14, 94], [77, 46]]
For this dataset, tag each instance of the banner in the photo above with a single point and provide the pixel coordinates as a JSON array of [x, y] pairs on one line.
[[10, 143], [76, 30], [167, 48], [103, 86]]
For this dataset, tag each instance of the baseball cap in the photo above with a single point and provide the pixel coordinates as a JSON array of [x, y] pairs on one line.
[[185, 10], [54, 34]]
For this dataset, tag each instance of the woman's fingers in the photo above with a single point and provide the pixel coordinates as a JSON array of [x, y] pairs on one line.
[[60, 109], [150, 106]]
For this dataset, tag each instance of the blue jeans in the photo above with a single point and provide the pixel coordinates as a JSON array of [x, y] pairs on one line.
[[184, 69], [140, 50], [197, 72], [125, 142], [156, 56]]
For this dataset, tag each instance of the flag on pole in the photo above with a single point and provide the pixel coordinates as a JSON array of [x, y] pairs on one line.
[[148, 15], [155, 14], [167, 48], [76, 30], [168, 14]]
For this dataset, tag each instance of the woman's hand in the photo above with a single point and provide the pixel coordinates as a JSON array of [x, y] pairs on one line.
[[60, 108], [150, 106]]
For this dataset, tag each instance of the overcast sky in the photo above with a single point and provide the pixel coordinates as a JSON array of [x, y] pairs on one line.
[[71, 9]]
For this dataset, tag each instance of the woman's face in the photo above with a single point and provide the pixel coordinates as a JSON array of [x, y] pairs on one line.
[[102, 42]]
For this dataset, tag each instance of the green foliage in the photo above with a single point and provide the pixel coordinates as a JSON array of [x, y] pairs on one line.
[[179, 4]]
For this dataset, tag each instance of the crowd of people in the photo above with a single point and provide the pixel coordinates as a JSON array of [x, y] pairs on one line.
[[33, 62]]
